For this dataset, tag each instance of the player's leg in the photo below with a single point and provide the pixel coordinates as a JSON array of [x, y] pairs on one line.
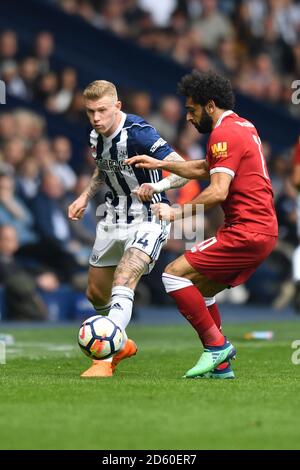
[[208, 288], [99, 286], [105, 256], [125, 278], [142, 249], [189, 289], [99, 293]]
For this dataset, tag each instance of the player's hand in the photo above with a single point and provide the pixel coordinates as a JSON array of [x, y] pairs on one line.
[[165, 212], [144, 192], [77, 208], [144, 161]]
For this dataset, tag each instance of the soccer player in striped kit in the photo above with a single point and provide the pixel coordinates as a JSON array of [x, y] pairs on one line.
[[129, 237]]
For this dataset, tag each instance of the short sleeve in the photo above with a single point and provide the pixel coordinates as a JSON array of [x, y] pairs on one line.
[[224, 152], [149, 142]]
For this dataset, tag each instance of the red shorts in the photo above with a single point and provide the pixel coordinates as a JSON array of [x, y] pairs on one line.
[[231, 256]]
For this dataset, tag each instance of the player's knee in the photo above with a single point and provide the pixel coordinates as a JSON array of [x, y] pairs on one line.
[[173, 269], [96, 296]]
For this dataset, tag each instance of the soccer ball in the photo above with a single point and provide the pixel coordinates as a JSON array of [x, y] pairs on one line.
[[99, 337]]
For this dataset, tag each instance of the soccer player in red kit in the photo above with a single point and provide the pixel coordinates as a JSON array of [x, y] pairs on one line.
[[239, 181]]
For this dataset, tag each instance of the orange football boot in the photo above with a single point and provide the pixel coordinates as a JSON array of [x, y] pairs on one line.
[[130, 349], [99, 369], [105, 368]]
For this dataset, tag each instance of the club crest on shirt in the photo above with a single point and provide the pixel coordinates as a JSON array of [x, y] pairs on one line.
[[219, 150]]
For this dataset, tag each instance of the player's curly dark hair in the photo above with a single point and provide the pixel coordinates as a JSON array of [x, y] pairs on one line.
[[205, 86]]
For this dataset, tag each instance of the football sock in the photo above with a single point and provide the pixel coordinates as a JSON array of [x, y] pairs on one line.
[[121, 306], [191, 305], [215, 313]]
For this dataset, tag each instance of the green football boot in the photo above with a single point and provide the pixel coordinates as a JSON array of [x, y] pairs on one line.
[[211, 358], [226, 373]]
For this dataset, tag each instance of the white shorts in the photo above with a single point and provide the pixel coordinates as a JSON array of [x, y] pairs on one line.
[[113, 240]]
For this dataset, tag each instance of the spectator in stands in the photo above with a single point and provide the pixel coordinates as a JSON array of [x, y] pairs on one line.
[[15, 86], [140, 103], [43, 50], [14, 151], [84, 229], [76, 110], [67, 87], [28, 179], [62, 150], [21, 299], [7, 127], [29, 73], [54, 228], [8, 47], [47, 89], [168, 118], [15, 213], [213, 24]]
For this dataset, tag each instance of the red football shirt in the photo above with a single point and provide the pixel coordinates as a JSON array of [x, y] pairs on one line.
[[234, 147]]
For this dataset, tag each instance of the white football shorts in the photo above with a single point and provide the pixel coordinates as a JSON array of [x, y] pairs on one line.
[[113, 240]]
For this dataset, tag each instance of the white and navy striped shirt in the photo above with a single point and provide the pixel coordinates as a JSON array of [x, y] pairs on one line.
[[134, 136]]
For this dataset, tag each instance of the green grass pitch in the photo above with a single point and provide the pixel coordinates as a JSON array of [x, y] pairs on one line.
[[44, 404]]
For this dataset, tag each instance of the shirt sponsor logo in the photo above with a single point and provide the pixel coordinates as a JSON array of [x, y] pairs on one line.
[[159, 143], [122, 153], [219, 150], [113, 166]]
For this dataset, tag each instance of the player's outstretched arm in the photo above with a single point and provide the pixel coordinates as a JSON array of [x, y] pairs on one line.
[[146, 191], [195, 169], [77, 208], [214, 194]]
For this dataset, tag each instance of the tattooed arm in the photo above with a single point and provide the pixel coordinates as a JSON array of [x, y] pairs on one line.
[[77, 208], [146, 191], [181, 170], [173, 181]]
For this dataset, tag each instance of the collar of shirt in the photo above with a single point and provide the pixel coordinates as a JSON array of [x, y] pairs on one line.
[[223, 115], [120, 126]]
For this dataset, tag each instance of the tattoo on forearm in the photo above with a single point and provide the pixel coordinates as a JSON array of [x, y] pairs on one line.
[[175, 180], [130, 268], [95, 184]]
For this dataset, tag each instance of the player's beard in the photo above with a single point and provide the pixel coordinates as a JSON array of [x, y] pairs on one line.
[[205, 125]]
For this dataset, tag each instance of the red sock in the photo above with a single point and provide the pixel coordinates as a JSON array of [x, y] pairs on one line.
[[215, 313], [191, 305]]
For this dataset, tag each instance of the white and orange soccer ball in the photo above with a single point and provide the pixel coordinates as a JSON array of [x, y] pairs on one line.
[[99, 337]]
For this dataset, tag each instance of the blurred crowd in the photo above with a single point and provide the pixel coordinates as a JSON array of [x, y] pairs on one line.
[[255, 43]]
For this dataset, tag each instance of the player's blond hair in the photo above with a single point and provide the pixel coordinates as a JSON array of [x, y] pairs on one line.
[[99, 88]]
